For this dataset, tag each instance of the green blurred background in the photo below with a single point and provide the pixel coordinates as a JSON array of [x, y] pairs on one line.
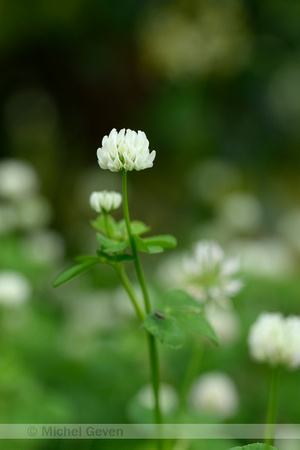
[[215, 87]]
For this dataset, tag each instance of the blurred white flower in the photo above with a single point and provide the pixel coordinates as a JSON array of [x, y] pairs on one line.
[[209, 275], [225, 322], [125, 150], [15, 289], [51, 243], [105, 201], [17, 179], [168, 397], [214, 393], [275, 339]]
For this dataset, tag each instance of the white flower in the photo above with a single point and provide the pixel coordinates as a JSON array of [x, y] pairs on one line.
[[275, 339], [168, 397], [126, 149], [209, 275], [214, 393], [15, 289], [105, 201], [17, 179]]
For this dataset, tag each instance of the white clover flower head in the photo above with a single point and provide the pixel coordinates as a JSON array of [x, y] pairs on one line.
[[125, 150], [209, 275], [214, 393], [275, 339], [168, 397], [105, 201], [15, 289]]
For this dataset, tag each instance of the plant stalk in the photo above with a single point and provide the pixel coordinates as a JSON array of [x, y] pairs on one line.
[[272, 406], [153, 354], [190, 374], [127, 285]]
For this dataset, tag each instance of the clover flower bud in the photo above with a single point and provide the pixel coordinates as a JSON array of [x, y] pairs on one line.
[[275, 339], [105, 201], [125, 150], [209, 275], [214, 393]]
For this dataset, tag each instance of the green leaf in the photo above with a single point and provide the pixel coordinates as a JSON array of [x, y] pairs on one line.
[[164, 241], [257, 446], [140, 244], [166, 329], [197, 323], [100, 225], [154, 249], [117, 246], [189, 313], [139, 228], [123, 258], [182, 301], [114, 258], [73, 271], [111, 245]]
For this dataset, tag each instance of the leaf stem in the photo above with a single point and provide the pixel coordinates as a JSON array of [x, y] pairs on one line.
[[272, 406], [152, 345]]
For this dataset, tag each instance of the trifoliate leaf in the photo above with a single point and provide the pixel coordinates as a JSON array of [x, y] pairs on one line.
[[188, 313], [166, 329], [73, 271]]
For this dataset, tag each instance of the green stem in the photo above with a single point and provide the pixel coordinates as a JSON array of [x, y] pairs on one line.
[[153, 354], [272, 405], [127, 285], [107, 227], [191, 372], [137, 262]]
